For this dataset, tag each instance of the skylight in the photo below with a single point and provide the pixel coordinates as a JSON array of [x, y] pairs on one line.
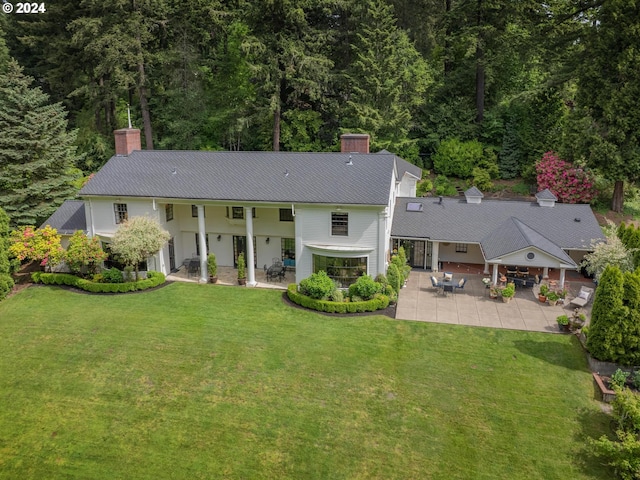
[[414, 207]]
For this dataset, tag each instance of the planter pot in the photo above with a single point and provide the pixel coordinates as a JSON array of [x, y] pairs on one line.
[[506, 299], [553, 303], [542, 298], [564, 328], [242, 281], [213, 279]]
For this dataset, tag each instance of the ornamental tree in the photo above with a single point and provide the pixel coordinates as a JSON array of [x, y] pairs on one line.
[[611, 252], [569, 183], [84, 252], [37, 244], [137, 239]]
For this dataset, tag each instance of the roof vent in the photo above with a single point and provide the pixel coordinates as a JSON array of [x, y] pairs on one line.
[[286, 173], [473, 195], [440, 200], [546, 198], [577, 219], [349, 162]]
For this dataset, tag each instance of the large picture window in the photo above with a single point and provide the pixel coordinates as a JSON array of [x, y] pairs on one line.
[[343, 270], [340, 224]]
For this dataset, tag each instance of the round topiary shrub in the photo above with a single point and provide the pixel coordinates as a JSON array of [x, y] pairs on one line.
[[365, 287], [317, 286], [112, 275]]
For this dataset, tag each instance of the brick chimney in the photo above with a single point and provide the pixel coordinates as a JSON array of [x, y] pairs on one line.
[[354, 143], [127, 140]]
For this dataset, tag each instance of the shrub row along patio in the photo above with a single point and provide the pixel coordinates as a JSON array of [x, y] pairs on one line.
[[201, 381]]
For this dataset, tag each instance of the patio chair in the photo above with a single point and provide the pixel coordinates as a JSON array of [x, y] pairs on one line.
[[523, 271], [461, 284], [583, 297], [435, 283], [512, 271]]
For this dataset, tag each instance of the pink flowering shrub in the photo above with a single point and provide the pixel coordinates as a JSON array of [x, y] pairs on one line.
[[41, 245], [569, 183]]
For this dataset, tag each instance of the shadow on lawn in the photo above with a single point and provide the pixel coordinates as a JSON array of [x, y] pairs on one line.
[[593, 424], [555, 353]]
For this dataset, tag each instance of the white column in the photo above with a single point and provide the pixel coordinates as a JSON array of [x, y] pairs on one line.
[[383, 243], [486, 268], [494, 277], [562, 277], [251, 269], [435, 253], [202, 240], [545, 272]]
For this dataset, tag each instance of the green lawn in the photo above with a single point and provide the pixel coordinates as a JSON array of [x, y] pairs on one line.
[[199, 381]]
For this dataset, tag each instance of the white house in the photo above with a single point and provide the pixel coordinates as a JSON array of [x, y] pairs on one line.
[[313, 211], [337, 212]]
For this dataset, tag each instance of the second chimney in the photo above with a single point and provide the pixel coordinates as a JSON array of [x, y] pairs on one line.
[[127, 140], [354, 143]]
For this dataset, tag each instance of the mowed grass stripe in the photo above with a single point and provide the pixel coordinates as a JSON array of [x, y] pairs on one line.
[[200, 381]]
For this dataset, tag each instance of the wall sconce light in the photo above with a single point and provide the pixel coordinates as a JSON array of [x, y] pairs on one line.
[[219, 237], [268, 240]]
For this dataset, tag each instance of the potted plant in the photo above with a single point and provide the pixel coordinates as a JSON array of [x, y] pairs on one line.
[[552, 298], [242, 274], [577, 320], [493, 291], [508, 292], [212, 268], [563, 323], [542, 295]]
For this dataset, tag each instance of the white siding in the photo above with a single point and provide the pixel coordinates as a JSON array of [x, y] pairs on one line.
[[313, 226]]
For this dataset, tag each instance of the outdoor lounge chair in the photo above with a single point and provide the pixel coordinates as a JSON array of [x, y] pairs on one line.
[[583, 297], [435, 283]]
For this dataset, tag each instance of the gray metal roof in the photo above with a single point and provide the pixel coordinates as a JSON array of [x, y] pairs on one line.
[[250, 176], [513, 236], [455, 220], [68, 218]]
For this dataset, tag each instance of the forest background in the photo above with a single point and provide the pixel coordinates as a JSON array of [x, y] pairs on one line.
[[499, 81]]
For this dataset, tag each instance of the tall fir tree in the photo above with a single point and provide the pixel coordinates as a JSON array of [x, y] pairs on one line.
[[37, 153], [388, 81]]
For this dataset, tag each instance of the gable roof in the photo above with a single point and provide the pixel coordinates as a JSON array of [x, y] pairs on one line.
[[250, 176], [568, 226], [513, 235], [68, 218]]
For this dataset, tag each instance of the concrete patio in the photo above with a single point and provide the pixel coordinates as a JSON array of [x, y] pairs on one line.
[[472, 305], [229, 276]]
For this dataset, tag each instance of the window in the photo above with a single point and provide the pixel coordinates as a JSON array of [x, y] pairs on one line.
[[237, 213], [344, 270], [288, 252], [206, 237], [168, 212], [120, 210], [461, 248], [286, 215], [339, 224], [194, 211]]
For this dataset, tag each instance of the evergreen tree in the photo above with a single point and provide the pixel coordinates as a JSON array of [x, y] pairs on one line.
[[608, 89], [6, 282], [37, 155], [388, 80], [510, 156], [609, 318]]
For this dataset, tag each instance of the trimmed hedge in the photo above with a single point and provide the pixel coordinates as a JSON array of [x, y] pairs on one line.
[[153, 280], [379, 302]]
